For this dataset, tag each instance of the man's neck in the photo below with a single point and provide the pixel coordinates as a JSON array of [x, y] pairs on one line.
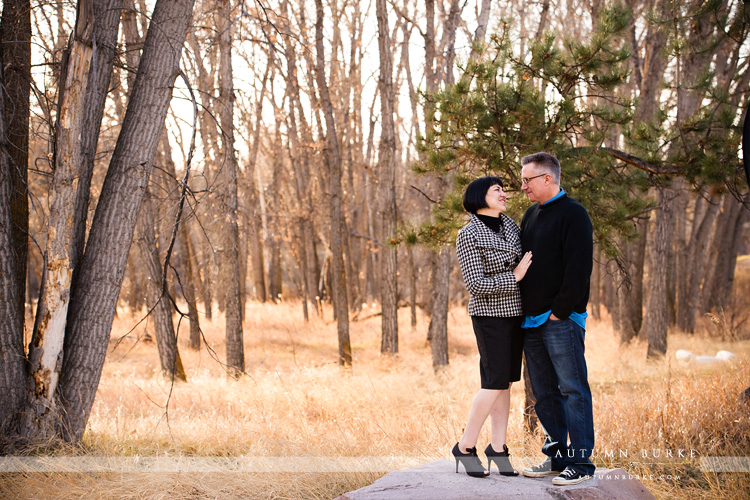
[[551, 195]]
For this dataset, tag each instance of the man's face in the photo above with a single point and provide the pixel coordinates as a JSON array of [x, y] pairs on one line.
[[534, 183]]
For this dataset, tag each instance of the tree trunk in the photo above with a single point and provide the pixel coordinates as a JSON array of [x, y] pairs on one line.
[[543, 20], [275, 226], [595, 298], [185, 267], [46, 348], [205, 274], [698, 262], [717, 289], [341, 305], [255, 243], [656, 320], [302, 137], [387, 191], [438, 330], [529, 413], [448, 42], [94, 296], [630, 286], [158, 303], [229, 245], [12, 358], [191, 288], [412, 287], [15, 54], [683, 261], [106, 16]]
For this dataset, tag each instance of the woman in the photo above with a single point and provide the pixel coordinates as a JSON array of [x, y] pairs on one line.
[[489, 252]]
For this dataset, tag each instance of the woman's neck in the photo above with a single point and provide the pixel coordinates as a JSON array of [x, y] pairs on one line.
[[488, 212]]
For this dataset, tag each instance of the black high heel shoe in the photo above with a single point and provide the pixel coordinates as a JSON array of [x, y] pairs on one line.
[[501, 459], [471, 462]]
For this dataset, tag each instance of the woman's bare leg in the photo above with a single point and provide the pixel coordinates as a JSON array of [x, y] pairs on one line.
[[484, 402], [499, 419]]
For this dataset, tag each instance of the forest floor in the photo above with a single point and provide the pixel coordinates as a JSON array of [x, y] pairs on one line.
[[299, 426]]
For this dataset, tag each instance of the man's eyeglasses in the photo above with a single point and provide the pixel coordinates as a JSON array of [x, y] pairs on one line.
[[526, 180]]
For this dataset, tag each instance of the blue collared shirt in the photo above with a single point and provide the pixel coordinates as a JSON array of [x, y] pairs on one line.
[[538, 320], [534, 321]]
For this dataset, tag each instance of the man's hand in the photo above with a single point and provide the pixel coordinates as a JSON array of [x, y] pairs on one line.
[[553, 317]]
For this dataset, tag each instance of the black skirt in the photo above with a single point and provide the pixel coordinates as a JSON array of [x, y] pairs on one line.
[[500, 343]]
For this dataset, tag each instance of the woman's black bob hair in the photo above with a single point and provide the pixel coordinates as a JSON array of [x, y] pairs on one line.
[[476, 192]]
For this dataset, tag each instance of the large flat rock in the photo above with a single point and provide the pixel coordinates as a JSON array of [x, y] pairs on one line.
[[438, 481]]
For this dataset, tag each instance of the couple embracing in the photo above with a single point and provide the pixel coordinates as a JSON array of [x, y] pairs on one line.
[[528, 291]]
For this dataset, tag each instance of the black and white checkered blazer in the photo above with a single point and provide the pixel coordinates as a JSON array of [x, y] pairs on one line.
[[487, 261]]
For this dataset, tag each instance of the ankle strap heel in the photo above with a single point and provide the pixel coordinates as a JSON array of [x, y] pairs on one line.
[[471, 462], [501, 459]]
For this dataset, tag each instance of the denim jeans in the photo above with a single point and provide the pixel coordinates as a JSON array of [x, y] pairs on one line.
[[557, 370]]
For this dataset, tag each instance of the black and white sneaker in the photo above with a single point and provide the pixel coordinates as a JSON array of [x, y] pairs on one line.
[[541, 470], [570, 476]]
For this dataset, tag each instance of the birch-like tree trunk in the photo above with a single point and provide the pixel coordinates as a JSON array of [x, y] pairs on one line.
[[46, 348]]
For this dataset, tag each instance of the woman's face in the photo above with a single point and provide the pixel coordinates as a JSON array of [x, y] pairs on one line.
[[495, 198]]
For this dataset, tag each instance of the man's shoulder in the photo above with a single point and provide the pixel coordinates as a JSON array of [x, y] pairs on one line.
[[574, 214], [574, 206]]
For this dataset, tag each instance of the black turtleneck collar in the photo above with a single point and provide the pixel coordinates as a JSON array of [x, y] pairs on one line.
[[493, 223]]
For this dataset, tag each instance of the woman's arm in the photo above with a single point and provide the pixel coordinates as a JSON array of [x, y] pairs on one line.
[[472, 269]]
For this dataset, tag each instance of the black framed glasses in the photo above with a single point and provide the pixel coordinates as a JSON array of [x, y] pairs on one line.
[[526, 180]]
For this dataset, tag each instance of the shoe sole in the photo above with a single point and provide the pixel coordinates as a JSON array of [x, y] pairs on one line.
[[541, 474], [567, 482]]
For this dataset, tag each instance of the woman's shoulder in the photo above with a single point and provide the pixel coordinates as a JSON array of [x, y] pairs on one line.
[[508, 222], [468, 231]]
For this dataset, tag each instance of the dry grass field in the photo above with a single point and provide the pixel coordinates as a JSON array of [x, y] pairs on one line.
[[296, 407]]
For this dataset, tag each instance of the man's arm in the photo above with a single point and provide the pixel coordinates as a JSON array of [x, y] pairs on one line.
[[578, 253]]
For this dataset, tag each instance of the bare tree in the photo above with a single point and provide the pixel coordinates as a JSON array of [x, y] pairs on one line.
[[159, 304], [387, 184], [333, 161], [46, 348], [229, 244], [15, 54]]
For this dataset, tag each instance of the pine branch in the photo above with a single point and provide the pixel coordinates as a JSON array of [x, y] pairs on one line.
[[635, 161]]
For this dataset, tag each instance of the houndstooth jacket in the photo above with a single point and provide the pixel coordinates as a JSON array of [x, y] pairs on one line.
[[487, 261]]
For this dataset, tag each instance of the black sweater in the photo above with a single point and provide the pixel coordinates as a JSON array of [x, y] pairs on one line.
[[560, 237]]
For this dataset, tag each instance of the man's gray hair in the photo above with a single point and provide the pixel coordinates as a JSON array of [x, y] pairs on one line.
[[546, 161]]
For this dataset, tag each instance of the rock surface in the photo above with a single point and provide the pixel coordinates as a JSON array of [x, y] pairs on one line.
[[438, 481]]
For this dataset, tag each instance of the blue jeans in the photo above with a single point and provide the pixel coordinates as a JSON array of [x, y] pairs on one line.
[[557, 370]]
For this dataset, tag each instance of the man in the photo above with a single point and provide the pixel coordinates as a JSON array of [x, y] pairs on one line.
[[555, 291]]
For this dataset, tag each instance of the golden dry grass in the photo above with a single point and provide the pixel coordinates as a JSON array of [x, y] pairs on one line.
[[296, 402]]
